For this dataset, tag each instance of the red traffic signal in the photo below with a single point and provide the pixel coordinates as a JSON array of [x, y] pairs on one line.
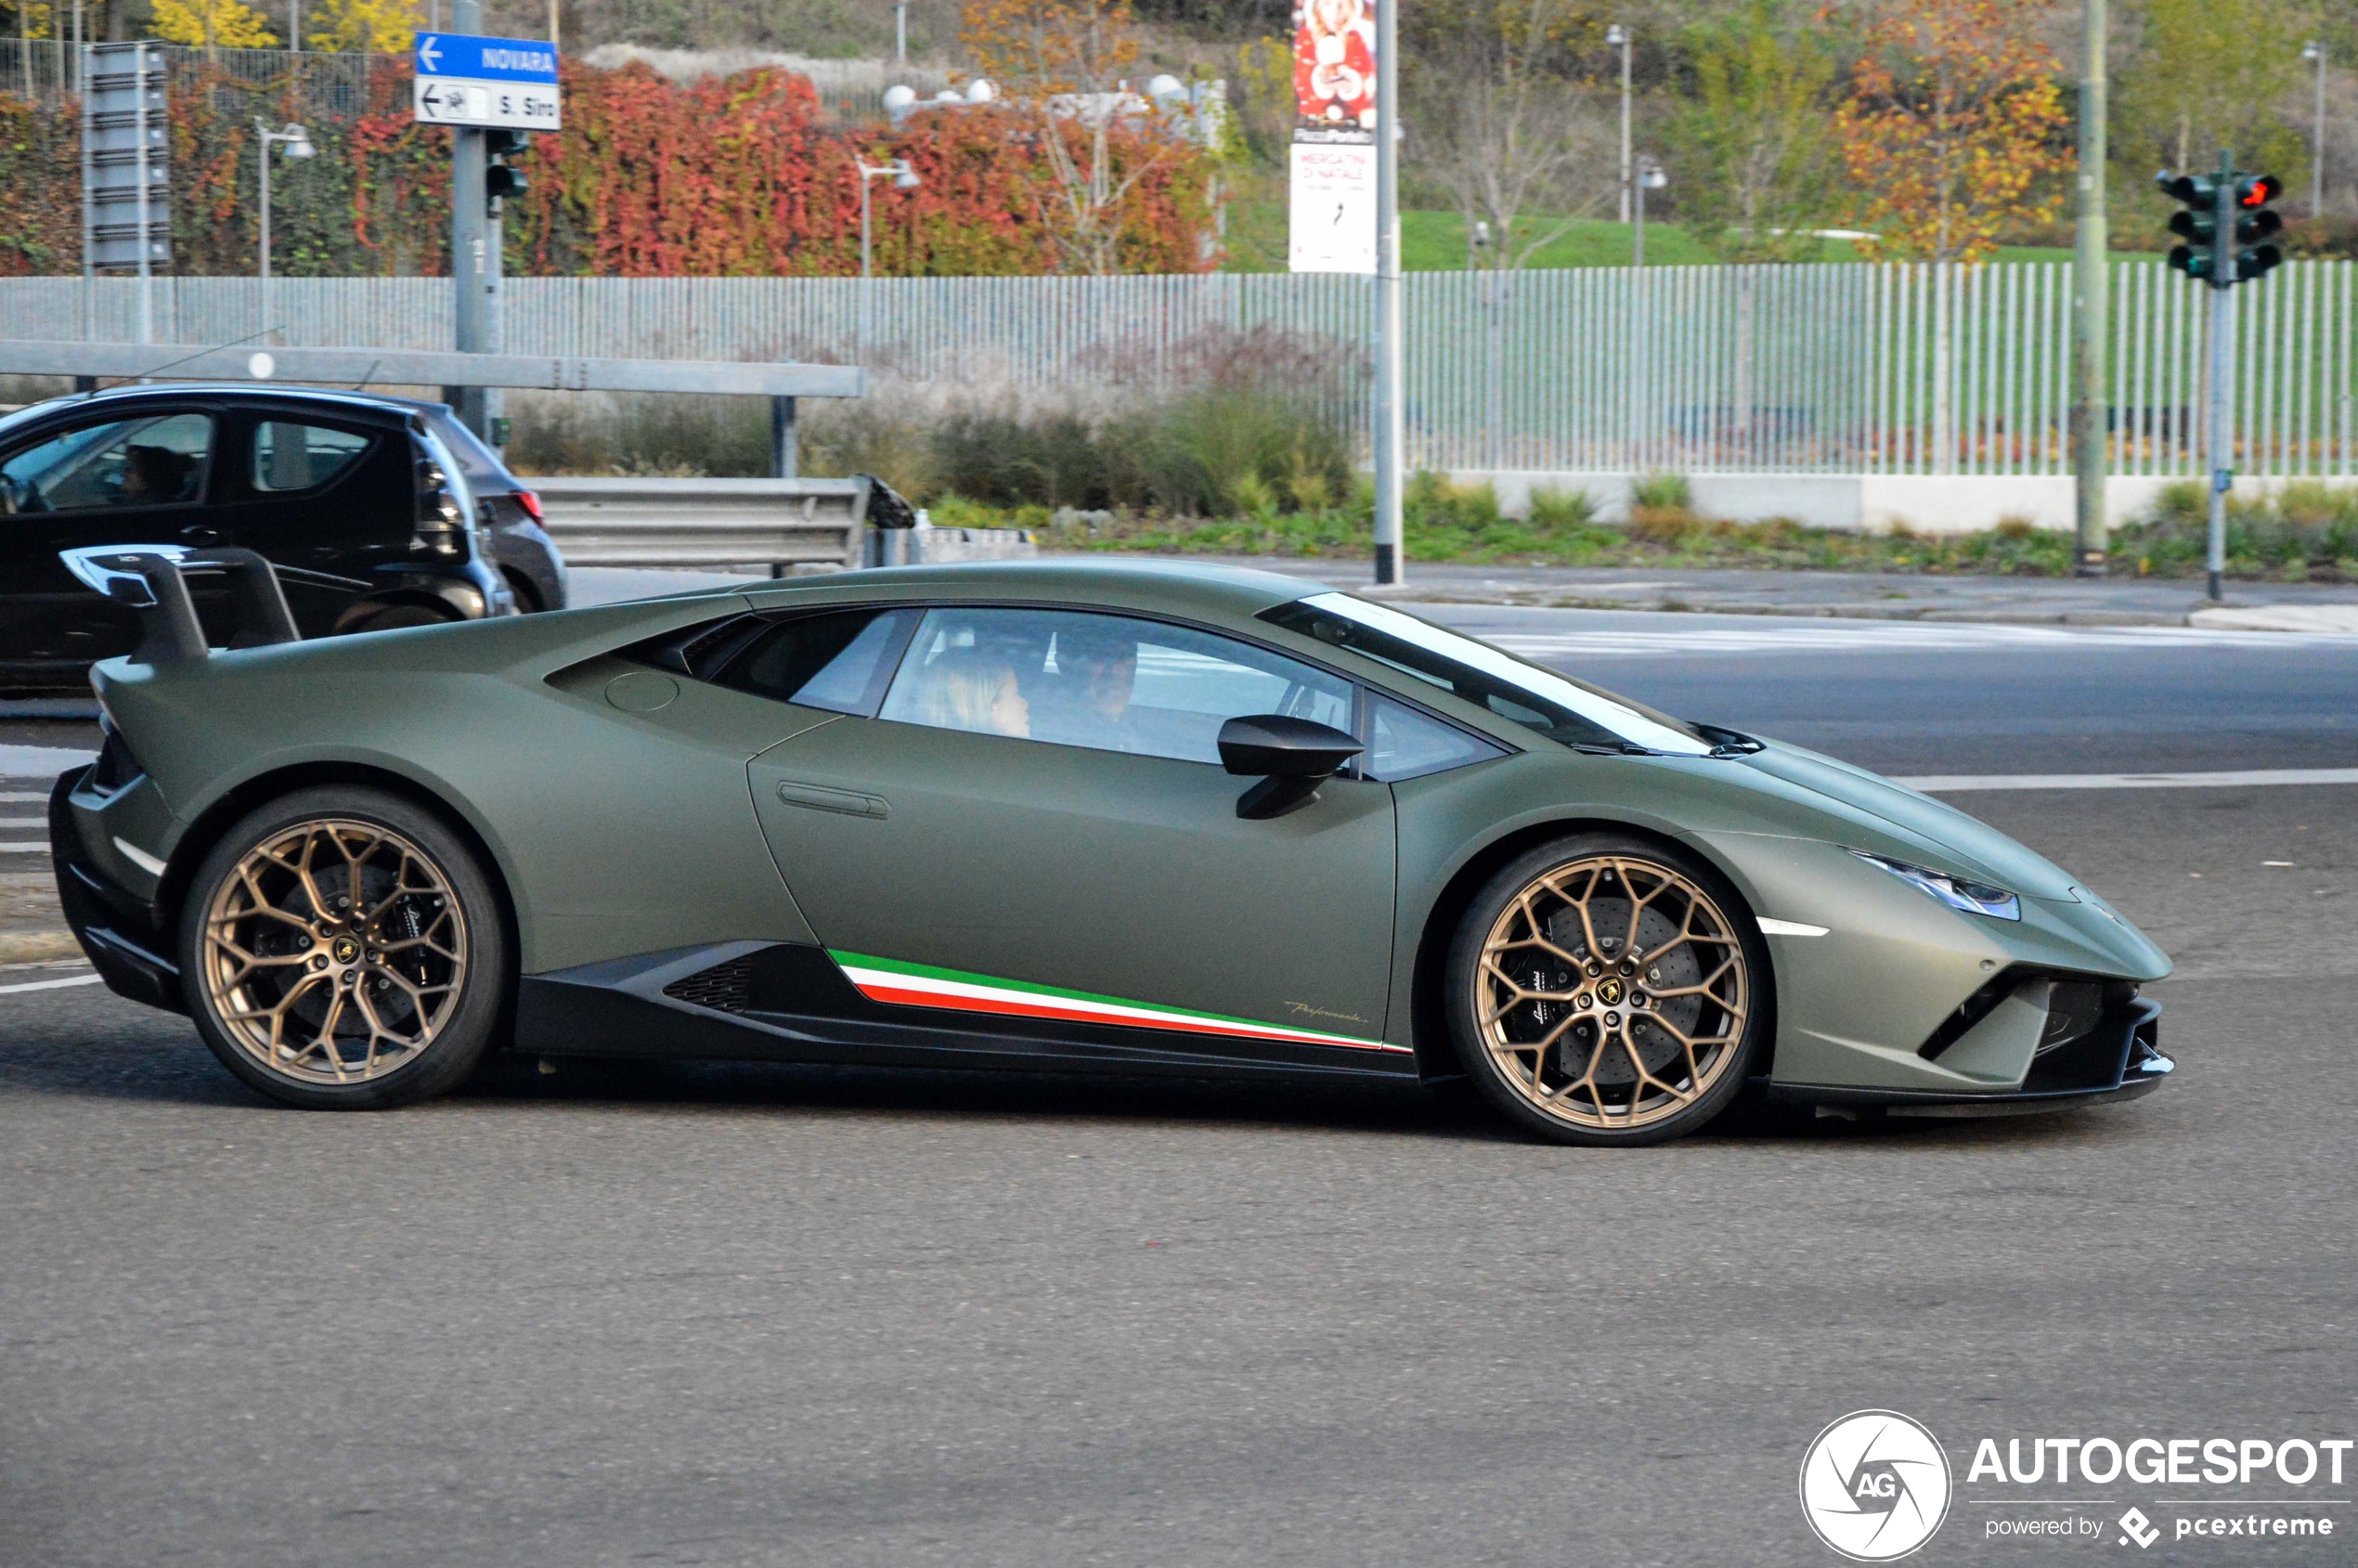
[[2258, 190]]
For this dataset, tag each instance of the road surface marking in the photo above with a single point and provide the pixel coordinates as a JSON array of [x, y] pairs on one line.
[[1793, 635], [23, 848], [50, 985], [1942, 784]]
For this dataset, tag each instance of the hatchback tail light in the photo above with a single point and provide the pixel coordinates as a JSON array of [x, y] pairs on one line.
[[531, 503]]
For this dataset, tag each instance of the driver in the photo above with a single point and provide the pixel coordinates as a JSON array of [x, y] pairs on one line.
[[155, 474], [1089, 702]]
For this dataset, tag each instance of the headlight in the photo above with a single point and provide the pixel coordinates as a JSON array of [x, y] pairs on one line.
[[1974, 897]]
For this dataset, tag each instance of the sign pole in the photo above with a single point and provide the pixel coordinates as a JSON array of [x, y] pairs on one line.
[[2090, 459], [474, 249], [1390, 425]]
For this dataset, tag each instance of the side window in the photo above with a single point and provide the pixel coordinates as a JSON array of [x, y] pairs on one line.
[[840, 662], [1107, 682], [1409, 744], [157, 460], [292, 455]]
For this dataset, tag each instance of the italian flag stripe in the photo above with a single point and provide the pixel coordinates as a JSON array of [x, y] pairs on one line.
[[924, 985]]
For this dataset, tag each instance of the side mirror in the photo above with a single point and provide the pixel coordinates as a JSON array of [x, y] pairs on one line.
[[1291, 758]]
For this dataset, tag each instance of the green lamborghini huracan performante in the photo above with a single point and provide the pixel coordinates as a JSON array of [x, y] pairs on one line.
[[1145, 818]]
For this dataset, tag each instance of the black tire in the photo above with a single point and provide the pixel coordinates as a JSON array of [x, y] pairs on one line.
[[420, 966], [1564, 1084], [392, 618]]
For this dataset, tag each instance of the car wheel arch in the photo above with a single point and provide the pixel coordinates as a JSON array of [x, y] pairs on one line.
[[249, 794], [1429, 1027]]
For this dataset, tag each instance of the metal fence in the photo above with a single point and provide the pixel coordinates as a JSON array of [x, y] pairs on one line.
[[1835, 369]]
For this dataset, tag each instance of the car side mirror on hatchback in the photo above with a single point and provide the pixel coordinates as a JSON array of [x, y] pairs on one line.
[[1291, 758]]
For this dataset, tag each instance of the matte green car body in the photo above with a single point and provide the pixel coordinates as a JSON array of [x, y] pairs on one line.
[[629, 812]]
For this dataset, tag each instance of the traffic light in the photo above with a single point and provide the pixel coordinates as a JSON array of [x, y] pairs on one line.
[[2255, 224], [2240, 201], [2198, 225], [500, 178]]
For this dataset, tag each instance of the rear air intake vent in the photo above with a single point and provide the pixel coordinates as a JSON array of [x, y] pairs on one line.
[[724, 988]]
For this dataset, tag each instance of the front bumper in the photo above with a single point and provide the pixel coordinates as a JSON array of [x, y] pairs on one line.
[[2119, 1059], [117, 929]]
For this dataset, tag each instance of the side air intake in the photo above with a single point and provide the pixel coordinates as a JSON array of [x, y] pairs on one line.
[[724, 988]]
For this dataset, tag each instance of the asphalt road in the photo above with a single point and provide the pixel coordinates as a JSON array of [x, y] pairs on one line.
[[747, 1315]]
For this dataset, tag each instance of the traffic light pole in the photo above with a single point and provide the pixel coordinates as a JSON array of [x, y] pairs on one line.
[[2220, 438], [475, 253], [2089, 465]]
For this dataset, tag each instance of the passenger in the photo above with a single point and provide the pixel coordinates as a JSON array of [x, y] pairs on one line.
[[970, 689]]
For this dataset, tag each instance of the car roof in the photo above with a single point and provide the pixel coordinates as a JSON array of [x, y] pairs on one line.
[[253, 391], [1204, 586]]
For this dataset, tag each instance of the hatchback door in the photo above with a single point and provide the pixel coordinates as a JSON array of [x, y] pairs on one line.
[[1032, 823], [140, 476]]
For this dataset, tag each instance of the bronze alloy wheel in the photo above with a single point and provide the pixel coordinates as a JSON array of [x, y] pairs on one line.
[[334, 952], [1612, 992]]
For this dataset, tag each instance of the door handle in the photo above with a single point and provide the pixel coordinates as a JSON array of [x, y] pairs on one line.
[[196, 534], [848, 802]]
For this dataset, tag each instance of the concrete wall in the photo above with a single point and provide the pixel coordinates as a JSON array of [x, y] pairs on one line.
[[1931, 504]]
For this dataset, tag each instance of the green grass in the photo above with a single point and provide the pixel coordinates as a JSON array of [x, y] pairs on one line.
[[2309, 534], [1435, 241]]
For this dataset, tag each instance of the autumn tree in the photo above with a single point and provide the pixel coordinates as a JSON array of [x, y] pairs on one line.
[[212, 24], [1952, 125], [1066, 63], [364, 26], [1496, 98], [1753, 142]]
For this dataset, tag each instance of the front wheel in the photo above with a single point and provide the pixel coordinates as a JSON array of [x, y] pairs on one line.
[[1607, 989], [342, 949]]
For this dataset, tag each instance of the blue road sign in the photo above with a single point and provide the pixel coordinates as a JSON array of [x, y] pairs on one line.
[[486, 59]]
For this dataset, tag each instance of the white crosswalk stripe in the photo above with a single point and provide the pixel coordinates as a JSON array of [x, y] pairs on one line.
[[1789, 635]]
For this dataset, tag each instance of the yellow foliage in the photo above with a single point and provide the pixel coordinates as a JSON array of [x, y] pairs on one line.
[[1035, 48], [1954, 125], [364, 26], [220, 24]]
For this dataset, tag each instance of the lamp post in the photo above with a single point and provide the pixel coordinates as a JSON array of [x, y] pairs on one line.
[[903, 178], [1650, 177], [1617, 36], [297, 142], [2315, 54], [901, 31]]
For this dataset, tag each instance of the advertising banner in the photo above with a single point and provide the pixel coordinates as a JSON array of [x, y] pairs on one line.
[[1332, 170]]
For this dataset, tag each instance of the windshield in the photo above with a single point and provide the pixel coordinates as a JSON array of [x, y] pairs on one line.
[[1533, 695]]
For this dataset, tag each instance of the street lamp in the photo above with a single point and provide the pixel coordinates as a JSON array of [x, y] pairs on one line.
[[1650, 177], [296, 143], [903, 178], [2315, 54], [1617, 36]]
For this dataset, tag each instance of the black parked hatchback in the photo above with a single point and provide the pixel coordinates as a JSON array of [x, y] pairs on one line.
[[378, 512]]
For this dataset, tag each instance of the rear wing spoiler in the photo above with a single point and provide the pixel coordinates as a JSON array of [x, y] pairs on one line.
[[149, 578]]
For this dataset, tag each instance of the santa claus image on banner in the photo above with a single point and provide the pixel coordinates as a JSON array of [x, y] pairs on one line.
[[1334, 65]]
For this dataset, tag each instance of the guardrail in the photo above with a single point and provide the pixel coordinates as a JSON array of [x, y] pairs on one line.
[[711, 522]]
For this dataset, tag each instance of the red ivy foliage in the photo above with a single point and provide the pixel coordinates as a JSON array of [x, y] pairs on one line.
[[729, 176], [736, 176]]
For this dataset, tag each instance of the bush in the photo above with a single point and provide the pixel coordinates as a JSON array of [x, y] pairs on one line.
[[2305, 530], [1662, 492]]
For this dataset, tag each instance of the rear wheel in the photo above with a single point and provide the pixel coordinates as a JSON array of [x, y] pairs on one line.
[[344, 950], [1603, 989]]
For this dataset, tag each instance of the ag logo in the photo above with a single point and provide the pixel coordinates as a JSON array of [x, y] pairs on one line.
[[1874, 1486]]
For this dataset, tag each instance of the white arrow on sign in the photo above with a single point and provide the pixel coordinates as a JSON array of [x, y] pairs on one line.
[[429, 53]]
